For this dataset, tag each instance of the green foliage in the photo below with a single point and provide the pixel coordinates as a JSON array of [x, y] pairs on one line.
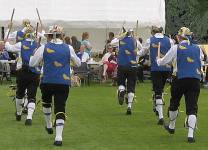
[[190, 13]]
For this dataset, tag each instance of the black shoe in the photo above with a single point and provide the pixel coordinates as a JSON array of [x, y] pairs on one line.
[[18, 117], [49, 130], [171, 131], [28, 122], [155, 111], [57, 143], [191, 140], [128, 112], [161, 121], [121, 95]]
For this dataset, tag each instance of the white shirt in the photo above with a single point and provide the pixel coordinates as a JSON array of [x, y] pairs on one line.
[[16, 48], [171, 57], [13, 35], [105, 57], [115, 42], [85, 57], [38, 56], [146, 47]]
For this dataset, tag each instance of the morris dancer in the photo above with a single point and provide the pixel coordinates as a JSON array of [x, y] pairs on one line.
[[55, 81]]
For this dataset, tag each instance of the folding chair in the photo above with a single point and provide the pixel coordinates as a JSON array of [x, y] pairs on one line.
[[83, 72]]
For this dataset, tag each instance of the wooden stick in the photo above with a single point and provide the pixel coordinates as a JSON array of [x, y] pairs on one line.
[[137, 26], [120, 31], [203, 50], [36, 30], [39, 18], [158, 50], [10, 25], [106, 37]]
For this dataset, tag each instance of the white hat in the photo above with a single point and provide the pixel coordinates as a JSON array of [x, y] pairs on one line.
[[130, 30]]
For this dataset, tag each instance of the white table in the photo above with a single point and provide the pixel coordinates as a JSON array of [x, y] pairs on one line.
[[8, 61], [94, 63]]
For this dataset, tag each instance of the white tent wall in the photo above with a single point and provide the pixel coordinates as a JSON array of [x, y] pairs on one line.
[[94, 16]]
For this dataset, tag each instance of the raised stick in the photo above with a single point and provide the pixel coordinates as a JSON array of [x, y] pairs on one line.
[[158, 50], [39, 18], [137, 26], [10, 24]]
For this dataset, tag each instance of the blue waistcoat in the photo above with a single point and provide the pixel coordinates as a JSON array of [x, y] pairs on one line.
[[127, 52], [164, 47], [27, 50], [188, 61], [56, 67]]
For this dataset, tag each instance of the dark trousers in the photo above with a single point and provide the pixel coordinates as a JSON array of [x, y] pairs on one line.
[[129, 74], [27, 80], [190, 88], [60, 93], [140, 74], [158, 81]]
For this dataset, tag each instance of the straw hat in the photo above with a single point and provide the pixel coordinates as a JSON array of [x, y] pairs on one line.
[[55, 30], [29, 31], [184, 32], [25, 22]]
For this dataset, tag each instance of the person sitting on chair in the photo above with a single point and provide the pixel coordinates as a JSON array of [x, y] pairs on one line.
[[109, 63], [83, 56], [4, 55]]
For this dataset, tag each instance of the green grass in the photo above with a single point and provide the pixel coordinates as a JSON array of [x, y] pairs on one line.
[[96, 122]]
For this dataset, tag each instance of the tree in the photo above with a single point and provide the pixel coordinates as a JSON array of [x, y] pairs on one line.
[[190, 13]]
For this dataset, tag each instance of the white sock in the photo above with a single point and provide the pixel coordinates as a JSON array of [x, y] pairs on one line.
[[19, 106], [30, 110], [121, 88], [25, 102], [173, 115], [191, 125], [159, 107], [59, 129], [130, 99], [48, 116]]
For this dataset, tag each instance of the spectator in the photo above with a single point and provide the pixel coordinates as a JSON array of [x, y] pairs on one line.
[[75, 44], [67, 40], [85, 41], [83, 56], [110, 38], [109, 64], [4, 55]]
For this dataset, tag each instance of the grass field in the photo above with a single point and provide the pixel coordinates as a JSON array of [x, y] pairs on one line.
[[96, 122]]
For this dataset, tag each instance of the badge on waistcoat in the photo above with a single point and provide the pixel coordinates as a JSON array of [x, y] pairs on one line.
[[190, 60], [57, 64], [50, 50], [182, 47], [25, 47], [66, 77]]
